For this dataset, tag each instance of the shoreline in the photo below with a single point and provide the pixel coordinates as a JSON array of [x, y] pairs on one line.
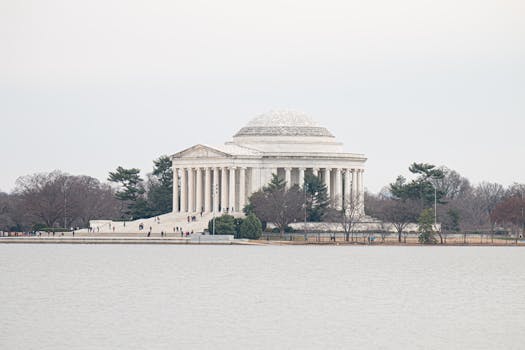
[[185, 241]]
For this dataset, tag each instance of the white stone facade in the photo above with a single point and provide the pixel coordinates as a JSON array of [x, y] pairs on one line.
[[220, 179]]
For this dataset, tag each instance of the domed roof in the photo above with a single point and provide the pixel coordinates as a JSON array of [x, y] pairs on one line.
[[283, 123]]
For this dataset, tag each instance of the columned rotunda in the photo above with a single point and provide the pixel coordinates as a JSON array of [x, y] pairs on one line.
[[219, 179]]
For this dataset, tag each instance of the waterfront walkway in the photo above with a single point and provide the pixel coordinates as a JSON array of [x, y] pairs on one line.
[[194, 239]]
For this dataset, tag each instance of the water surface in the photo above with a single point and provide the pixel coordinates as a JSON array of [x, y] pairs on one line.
[[253, 297]]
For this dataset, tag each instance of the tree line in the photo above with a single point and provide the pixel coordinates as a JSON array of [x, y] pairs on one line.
[[439, 200], [58, 199], [460, 206]]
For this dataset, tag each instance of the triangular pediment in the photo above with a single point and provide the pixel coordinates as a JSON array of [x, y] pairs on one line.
[[201, 151]]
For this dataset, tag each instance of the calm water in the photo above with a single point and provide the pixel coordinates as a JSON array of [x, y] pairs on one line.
[[236, 297]]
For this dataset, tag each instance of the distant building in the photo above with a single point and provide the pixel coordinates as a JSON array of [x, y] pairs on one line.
[[286, 143], [210, 180]]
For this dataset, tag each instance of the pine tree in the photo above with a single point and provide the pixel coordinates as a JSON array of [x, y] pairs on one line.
[[224, 225], [160, 187], [131, 192], [426, 227], [316, 198], [422, 188], [251, 227]]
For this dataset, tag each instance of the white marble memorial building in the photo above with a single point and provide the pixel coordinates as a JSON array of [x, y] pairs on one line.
[[289, 144]]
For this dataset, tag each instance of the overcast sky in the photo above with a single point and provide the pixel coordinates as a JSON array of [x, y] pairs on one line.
[[86, 86]]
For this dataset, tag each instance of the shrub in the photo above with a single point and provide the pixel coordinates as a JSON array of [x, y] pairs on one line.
[[224, 225], [250, 227]]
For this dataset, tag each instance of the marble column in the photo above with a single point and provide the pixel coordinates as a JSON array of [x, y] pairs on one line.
[[354, 185], [207, 189], [232, 190], [183, 190], [338, 189], [359, 197], [301, 177], [191, 191], [224, 189], [242, 188], [198, 191], [175, 208], [288, 177], [362, 183], [326, 174], [255, 176], [215, 190], [362, 191], [315, 171], [348, 188]]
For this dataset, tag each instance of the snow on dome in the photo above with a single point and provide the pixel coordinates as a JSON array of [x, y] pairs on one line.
[[283, 123]]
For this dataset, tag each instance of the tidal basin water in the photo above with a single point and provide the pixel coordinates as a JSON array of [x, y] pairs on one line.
[[261, 297]]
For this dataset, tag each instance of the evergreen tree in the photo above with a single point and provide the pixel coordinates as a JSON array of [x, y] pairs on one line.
[[163, 170], [316, 198], [426, 227], [160, 187], [251, 227], [132, 189], [422, 188], [224, 225], [276, 184]]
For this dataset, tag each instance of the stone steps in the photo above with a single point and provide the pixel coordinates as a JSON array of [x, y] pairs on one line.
[[165, 222]]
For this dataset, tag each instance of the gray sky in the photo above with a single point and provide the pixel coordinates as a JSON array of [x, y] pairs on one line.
[[86, 86]]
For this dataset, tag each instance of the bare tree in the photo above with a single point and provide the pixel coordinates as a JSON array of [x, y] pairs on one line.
[[90, 199], [486, 198], [348, 215], [5, 207], [42, 196], [399, 213], [277, 204], [57, 198], [452, 184], [515, 190], [511, 211]]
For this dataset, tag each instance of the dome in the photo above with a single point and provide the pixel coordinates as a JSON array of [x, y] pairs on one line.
[[283, 123]]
